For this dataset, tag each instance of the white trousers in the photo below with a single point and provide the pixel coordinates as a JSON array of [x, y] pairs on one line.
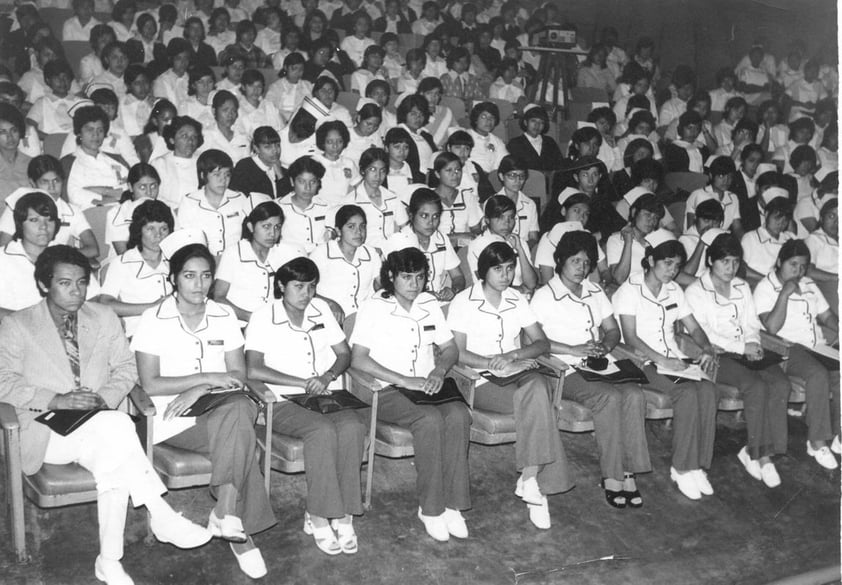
[[108, 447]]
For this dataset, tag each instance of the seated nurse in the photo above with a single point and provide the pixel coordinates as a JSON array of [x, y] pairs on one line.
[[246, 271], [578, 320], [401, 339], [487, 321], [185, 347], [790, 304], [137, 279], [295, 345], [724, 308], [648, 304]]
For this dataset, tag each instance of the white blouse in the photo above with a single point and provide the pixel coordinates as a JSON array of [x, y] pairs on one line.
[[130, 279], [439, 253], [490, 330], [802, 309], [252, 281], [303, 352], [729, 322], [346, 283], [179, 177], [162, 332], [402, 341], [569, 319]]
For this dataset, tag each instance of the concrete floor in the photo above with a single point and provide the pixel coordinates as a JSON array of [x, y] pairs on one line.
[[745, 534]]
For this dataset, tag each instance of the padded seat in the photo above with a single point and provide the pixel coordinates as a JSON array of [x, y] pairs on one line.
[[180, 468], [492, 428], [658, 404], [798, 393], [730, 397], [574, 417], [287, 451], [53, 481], [393, 440]]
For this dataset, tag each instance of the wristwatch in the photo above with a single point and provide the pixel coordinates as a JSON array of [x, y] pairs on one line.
[[332, 375]]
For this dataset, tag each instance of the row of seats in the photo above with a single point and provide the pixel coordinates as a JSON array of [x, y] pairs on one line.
[[63, 485]]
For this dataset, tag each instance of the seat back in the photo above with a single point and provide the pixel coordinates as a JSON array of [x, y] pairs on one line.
[[456, 105], [53, 144], [588, 94], [74, 51], [686, 181], [348, 99], [96, 218], [536, 188], [465, 266]]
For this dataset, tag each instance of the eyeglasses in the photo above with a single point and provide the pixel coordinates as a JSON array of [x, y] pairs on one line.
[[514, 176]]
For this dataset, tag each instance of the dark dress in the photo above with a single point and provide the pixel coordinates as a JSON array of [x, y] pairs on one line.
[[136, 53], [749, 213], [248, 178], [550, 158], [676, 159], [204, 55]]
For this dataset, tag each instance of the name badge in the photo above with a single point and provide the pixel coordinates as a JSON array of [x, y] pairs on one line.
[[388, 213], [671, 307], [319, 218], [458, 206], [232, 215], [216, 342], [522, 217], [317, 326], [440, 248], [65, 224], [429, 327]]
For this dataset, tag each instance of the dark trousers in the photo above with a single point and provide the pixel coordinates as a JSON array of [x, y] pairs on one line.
[[765, 394], [440, 435], [226, 436], [333, 452], [694, 419], [822, 387], [538, 439], [619, 416]]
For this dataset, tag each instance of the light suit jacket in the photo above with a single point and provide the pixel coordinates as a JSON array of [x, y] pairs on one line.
[[34, 367]]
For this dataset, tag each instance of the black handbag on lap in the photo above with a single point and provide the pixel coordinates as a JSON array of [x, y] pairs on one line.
[[448, 392], [629, 373], [326, 403]]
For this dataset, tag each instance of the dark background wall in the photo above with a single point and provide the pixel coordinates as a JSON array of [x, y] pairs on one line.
[[708, 34]]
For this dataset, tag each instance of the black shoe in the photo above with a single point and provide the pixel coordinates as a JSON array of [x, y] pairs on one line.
[[615, 499]]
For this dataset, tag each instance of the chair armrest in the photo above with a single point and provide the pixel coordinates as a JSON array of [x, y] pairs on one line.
[[465, 371], [8, 417], [553, 363], [774, 343], [262, 391], [141, 401], [364, 380]]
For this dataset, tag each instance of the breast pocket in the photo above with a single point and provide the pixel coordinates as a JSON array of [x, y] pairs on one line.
[[213, 359], [428, 334]]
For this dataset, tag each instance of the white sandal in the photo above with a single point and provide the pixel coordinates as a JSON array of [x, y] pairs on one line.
[[324, 536]]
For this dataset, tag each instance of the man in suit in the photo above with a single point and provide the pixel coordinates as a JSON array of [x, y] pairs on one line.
[[66, 354]]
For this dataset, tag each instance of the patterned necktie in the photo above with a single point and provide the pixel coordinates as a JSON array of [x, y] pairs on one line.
[[71, 346]]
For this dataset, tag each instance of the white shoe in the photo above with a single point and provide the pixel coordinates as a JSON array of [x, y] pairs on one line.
[[436, 526], [836, 446], [701, 478], [111, 572], [175, 529], [769, 475], [455, 523], [228, 528], [529, 491], [325, 538], [539, 515], [251, 562], [346, 535], [686, 483], [751, 465], [823, 456]]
